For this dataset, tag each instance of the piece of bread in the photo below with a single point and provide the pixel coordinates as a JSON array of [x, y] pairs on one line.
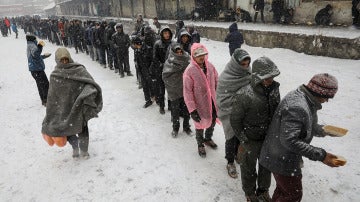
[[335, 131], [339, 161]]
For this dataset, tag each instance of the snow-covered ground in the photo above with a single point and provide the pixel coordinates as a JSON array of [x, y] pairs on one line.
[[134, 157]]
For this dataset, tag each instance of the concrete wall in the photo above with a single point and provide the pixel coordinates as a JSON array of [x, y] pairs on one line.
[[308, 44]]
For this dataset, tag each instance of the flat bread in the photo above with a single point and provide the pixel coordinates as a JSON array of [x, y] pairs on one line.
[[335, 131], [339, 161]]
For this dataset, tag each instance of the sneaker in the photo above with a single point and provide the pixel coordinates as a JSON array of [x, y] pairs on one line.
[[162, 110], [201, 150], [211, 144], [122, 75], [76, 153], [174, 133], [147, 104], [188, 131], [264, 197], [129, 74], [231, 168], [251, 198], [85, 154]]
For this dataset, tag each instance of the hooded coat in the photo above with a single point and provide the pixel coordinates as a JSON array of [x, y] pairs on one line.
[[160, 53], [231, 80], [199, 89], [293, 126], [35, 59], [73, 98], [254, 104], [172, 74], [185, 46], [234, 38]]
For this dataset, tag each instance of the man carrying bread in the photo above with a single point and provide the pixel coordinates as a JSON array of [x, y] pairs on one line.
[[293, 126]]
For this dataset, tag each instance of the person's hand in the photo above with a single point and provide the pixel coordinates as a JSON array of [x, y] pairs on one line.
[[46, 55], [41, 43], [329, 160], [195, 116]]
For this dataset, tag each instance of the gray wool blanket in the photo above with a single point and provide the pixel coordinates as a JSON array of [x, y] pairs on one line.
[[230, 81], [73, 99], [172, 74]]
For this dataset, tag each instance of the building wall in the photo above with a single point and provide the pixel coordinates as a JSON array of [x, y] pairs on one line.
[[168, 9]]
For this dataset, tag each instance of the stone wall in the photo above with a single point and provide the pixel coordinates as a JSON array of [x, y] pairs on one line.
[[308, 44]]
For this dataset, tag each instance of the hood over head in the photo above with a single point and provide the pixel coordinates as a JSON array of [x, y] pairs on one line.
[[62, 53], [263, 68], [233, 27], [166, 28]]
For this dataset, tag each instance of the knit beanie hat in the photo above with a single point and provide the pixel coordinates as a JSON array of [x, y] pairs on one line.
[[323, 85]]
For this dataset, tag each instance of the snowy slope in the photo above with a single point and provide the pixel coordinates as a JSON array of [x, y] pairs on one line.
[[134, 157]]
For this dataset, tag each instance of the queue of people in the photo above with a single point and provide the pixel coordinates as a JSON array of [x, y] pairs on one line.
[[261, 130]]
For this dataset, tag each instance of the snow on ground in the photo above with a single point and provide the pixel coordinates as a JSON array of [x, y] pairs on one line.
[[134, 157]]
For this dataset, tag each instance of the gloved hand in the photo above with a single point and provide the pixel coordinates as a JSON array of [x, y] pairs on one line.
[[329, 160], [41, 43], [195, 116], [46, 55]]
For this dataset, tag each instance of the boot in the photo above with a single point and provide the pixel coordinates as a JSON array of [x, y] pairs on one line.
[[129, 74], [201, 150], [210, 143], [76, 153], [263, 196], [147, 104], [162, 110], [251, 198], [116, 71], [122, 75], [188, 131], [174, 133], [84, 154], [231, 168]]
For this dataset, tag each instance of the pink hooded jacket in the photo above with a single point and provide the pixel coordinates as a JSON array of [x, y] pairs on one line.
[[200, 89]]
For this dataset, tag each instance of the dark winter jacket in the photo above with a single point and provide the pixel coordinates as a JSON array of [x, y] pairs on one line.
[[185, 46], [254, 105], [109, 31], [323, 17], [120, 42], [294, 124], [172, 74], [99, 37], [259, 5], [143, 58], [35, 59], [234, 38], [159, 53], [73, 98]]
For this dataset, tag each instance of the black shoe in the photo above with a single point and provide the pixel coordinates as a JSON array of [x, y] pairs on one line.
[[174, 133], [211, 144], [116, 71], [188, 131], [122, 75], [201, 150], [147, 104], [129, 74], [162, 110]]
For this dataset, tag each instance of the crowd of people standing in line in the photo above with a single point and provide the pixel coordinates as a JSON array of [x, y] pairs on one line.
[[245, 98]]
